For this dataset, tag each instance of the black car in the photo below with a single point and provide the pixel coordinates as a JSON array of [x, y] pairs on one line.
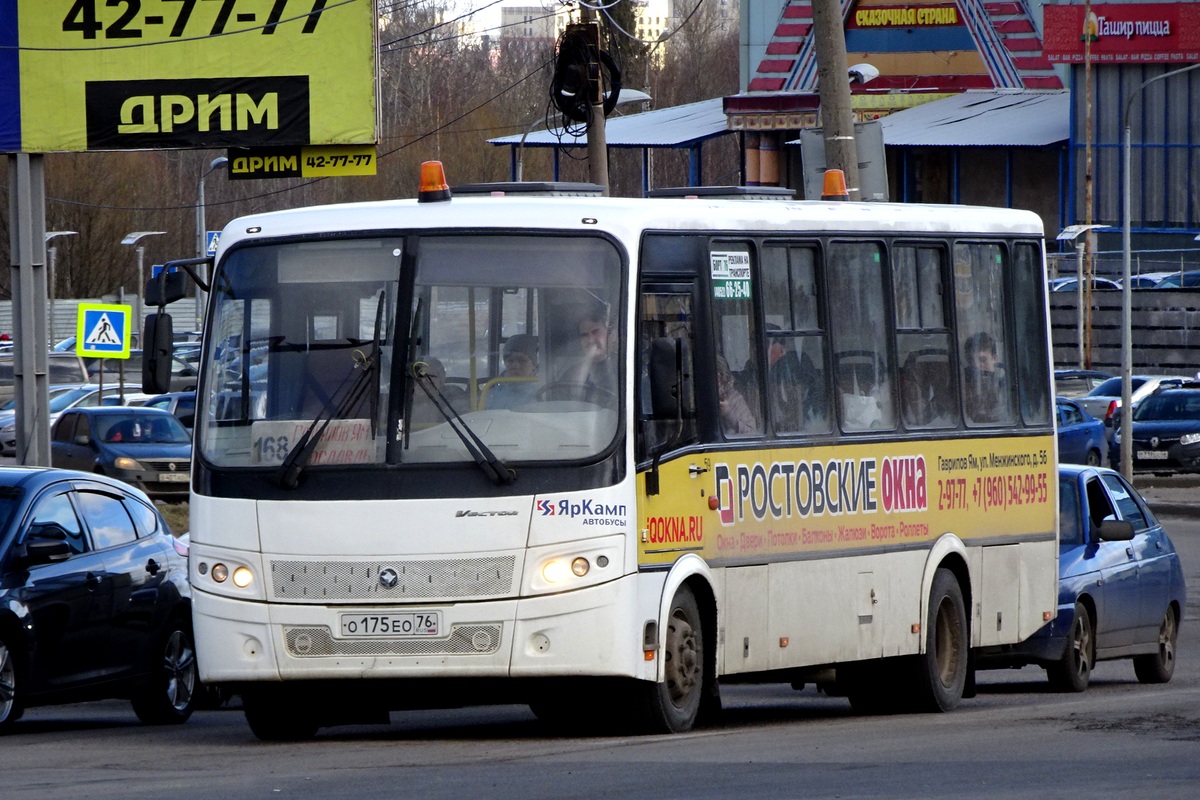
[[94, 598], [146, 447], [1166, 431]]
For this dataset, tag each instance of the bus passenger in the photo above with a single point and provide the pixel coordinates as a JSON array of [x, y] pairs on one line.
[[795, 388], [424, 412], [520, 368], [736, 416], [594, 378], [862, 408], [983, 380]]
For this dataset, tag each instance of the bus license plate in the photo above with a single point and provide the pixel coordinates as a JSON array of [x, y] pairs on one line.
[[1152, 455], [414, 623]]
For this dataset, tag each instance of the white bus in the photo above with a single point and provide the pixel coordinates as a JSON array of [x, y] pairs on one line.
[[602, 455]]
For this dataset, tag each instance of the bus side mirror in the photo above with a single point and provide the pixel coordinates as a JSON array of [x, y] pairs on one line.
[[158, 343], [166, 287], [670, 379]]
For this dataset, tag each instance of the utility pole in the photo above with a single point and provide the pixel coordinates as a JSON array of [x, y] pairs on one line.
[[597, 142], [833, 81]]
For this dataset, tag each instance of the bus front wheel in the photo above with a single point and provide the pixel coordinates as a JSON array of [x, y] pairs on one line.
[[673, 705], [941, 671], [276, 714]]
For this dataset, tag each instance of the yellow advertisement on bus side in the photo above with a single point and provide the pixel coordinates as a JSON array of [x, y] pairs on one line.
[[743, 506]]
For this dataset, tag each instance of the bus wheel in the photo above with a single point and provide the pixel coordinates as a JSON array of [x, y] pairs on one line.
[[941, 671], [672, 706], [276, 714]]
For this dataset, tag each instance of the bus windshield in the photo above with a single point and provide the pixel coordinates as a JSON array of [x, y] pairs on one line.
[[414, 349]]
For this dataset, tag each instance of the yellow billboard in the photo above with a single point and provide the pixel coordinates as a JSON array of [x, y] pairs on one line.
[[150, 74]]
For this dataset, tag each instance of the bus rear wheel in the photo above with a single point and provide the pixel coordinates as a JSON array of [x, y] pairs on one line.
[[673, 705], [276, 714], [941, 671]]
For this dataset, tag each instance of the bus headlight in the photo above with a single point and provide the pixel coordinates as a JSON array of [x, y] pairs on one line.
[[583, 564], [242, 577], [556, 570]]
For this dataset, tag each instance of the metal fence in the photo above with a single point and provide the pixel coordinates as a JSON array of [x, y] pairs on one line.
[[1165, 331]]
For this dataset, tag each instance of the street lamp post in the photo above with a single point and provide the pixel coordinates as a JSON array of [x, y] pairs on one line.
[[202, 234], [1126, 292], [51, 262], [133, 239], [1071, 233]]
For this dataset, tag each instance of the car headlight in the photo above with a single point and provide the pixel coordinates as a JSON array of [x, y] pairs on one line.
[[130, 464], [1189, 438], [9, 428]]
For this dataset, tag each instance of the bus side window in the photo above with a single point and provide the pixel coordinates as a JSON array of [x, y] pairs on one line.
[[861, 335], [981, 306], [923, 345], [797, 389], [739, 398]]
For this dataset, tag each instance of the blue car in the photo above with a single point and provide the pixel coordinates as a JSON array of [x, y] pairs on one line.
[[1082, 438], [145, 447], [1121, 592]]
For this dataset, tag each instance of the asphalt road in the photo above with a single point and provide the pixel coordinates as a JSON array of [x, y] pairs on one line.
[[1016, 739]]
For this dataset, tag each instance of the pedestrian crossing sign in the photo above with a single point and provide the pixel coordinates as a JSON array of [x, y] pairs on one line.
[[103, 330]]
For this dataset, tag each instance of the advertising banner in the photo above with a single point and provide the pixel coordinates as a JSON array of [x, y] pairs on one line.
[[1123, 33], [149, 74]]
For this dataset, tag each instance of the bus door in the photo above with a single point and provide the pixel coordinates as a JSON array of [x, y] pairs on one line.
[[674, 479]]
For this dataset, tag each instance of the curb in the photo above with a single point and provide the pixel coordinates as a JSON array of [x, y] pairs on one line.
[[1169, 509]]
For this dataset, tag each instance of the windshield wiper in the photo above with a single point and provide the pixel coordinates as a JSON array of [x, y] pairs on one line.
[[288, 474], [487, 461]]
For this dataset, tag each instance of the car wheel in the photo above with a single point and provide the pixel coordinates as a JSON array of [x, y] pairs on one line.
[[276, 714], [10, 697], [169, 697], [1072, 672], [1159, 667], [1093, 458], [941, 671]]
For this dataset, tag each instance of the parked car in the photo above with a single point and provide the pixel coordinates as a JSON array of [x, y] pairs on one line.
[[62, 368], [1082, 438], [1077, 382], [1071, 284], [67, 345], [1147, 280], [1180, 280], [94, 598], [1121, 590], [184, 372], [65, 397], [1166, 431], [181, 404], [145, 447], [1104, 401]]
